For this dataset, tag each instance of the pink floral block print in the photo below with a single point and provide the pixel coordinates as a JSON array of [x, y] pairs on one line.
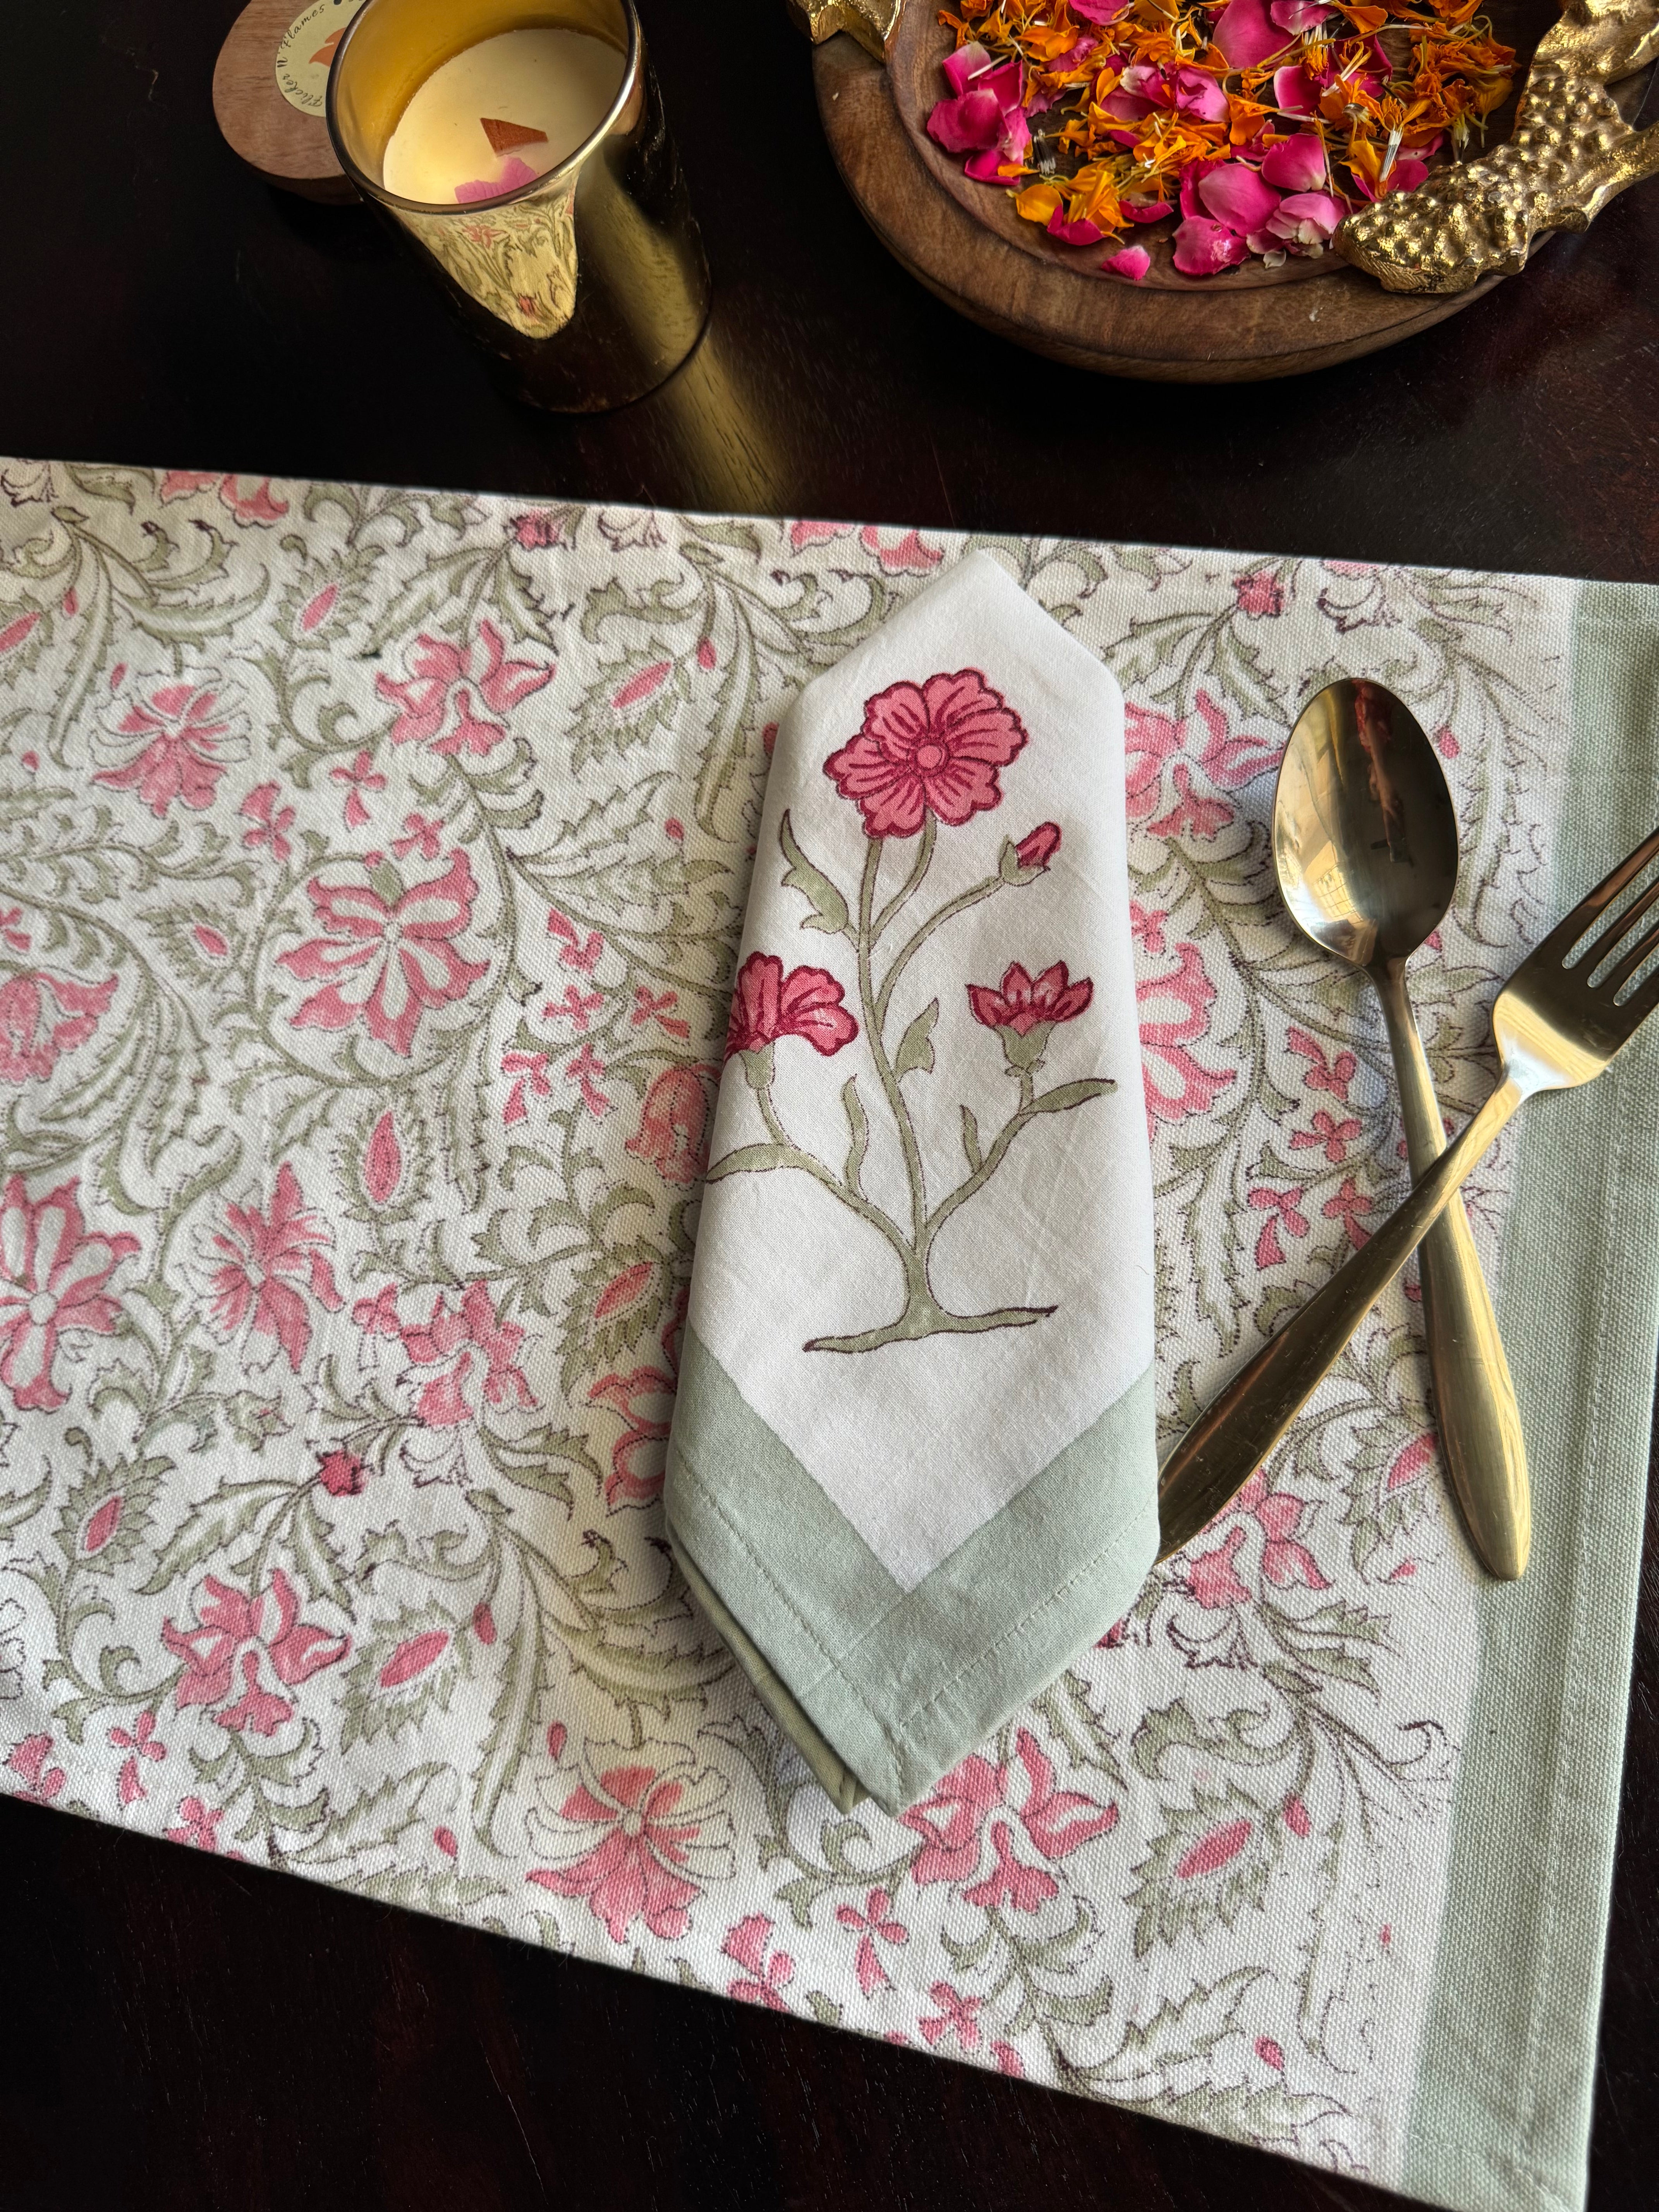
[[387, 956], [372, 873]]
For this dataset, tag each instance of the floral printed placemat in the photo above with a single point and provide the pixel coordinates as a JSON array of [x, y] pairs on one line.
[[371, 865]]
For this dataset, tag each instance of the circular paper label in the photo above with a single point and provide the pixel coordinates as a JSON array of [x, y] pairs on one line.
[[307, 50]]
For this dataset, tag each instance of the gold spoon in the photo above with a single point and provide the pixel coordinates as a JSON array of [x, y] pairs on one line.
[[1365, 851]]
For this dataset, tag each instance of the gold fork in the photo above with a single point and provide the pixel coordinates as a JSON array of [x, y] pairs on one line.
[[1557, 1024]]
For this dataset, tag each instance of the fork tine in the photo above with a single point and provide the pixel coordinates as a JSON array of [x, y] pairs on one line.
[[1637, 1008], [1643, 950], [1613, 937], [1554, 949]]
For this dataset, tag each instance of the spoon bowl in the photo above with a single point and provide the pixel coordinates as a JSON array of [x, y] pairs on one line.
[[1364, 831]]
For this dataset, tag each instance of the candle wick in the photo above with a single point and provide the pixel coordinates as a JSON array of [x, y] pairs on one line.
[[503, 136]]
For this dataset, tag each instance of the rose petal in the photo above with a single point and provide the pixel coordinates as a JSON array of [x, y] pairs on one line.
[[1306, 218], [1203, 248], [1297, 16], [1099, 11], [961, 125], [1003, 84], [1295, 164], [1295, 91], [1082, 232], [1191, 177], [1198, 94], [1406, 174], [991, 167], [964, 64], [1246, 34], [1128, 106], [1145, 210], [1131, 261], [1235, 194]]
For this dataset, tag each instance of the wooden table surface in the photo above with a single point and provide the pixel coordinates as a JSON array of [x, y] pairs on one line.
[[176, 2032]]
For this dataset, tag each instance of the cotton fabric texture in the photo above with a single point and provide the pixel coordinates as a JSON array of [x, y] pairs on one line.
[[914, 1453], [373, 866]]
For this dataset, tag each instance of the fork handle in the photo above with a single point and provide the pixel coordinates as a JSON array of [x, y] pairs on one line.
[[1474, 1406], [1235, 1433]]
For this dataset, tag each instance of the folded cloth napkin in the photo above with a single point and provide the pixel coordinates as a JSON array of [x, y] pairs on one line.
[[912, 1471]]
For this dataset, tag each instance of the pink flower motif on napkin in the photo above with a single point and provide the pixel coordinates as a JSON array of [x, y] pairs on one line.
[[43, 1016], [53, 1275], [360, 777], [233, 1637], [767, 1004], [387, 958], [1020, 1005], [930, 748]]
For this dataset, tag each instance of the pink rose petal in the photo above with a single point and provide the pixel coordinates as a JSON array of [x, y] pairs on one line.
[[1246, 34], [1099, 11], [1145, 210], [1080, 232], [965, 63], [1295, 164], [961, 125], [1306, 218], [1203, 248], [515, 172], [1296, 15], [1295, 91], [1235, 194], [1131, 261], [1197, 93], [1406, 174]]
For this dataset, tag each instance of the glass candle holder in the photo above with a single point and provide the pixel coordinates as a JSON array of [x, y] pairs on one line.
[[585, 279]]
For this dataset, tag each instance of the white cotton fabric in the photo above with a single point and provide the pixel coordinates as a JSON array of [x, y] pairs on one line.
[[919, 1443]]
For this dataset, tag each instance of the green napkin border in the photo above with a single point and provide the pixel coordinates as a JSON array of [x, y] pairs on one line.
[[901, 1682]]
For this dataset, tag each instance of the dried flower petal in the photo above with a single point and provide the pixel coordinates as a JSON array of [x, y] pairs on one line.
[[1205, 248], [1235, 194], [966, 63], [1130, 261], [1246, 34], [1306, 218], [1295, 164]]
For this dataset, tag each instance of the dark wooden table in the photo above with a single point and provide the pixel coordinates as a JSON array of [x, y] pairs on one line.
[[176, 2031]]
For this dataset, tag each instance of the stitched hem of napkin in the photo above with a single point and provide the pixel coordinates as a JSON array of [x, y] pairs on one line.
[[834, 1777], [901, 1683]]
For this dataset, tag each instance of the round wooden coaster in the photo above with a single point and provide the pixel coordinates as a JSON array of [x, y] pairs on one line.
[[965, 244], [267, 89]]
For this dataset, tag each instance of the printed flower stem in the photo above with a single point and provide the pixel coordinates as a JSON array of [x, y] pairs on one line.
[[874, 1017]]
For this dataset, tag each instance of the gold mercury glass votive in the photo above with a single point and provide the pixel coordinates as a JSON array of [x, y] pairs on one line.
[[588, 282]]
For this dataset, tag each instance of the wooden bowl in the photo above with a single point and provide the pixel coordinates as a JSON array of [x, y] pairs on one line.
[[964, 241]]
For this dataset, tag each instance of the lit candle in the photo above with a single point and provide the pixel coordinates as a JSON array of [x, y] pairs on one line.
[[499, 114]]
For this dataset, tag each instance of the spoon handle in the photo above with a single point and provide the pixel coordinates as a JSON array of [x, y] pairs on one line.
[[1473, 1397]]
